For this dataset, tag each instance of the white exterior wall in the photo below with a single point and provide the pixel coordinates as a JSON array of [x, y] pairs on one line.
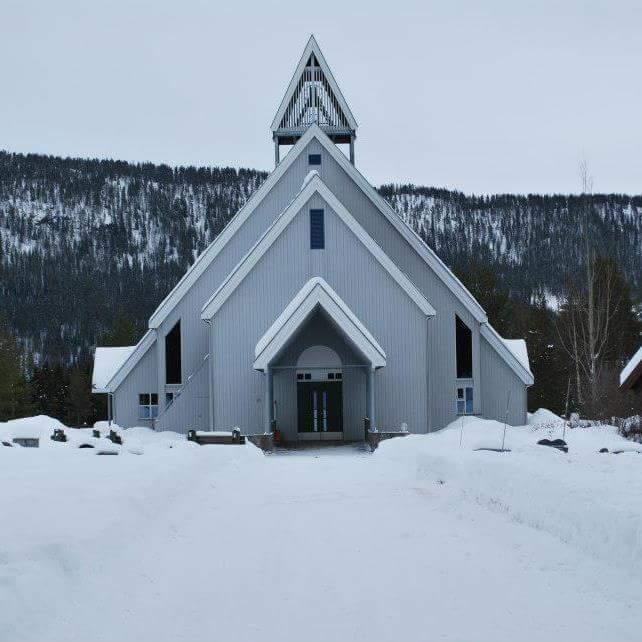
[[501, 388], [441, 331], [432, 387], [141, 379], [395, 321], [194, 334]]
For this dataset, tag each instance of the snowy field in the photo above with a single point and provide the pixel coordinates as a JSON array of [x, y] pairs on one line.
[[426, 539]]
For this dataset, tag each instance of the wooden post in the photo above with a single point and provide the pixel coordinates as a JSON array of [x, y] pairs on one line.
[[371, 397], [210, 374], [352, 149], [276, 152], [367, 419], [269, 394]]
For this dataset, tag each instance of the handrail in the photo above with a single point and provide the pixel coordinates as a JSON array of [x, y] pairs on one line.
[[189, 379]]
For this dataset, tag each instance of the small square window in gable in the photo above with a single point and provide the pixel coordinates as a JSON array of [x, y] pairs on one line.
[[314, 159]]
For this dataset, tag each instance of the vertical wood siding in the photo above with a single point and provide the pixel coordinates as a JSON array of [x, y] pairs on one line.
[[194, 333], [141, 379], [417, 385], [441, 330], [498, 382], [386, 310]]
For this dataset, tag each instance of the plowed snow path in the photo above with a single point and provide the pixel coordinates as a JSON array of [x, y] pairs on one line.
[[318, 546]]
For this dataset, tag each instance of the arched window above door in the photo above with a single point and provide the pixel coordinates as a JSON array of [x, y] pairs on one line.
[[319, 357]]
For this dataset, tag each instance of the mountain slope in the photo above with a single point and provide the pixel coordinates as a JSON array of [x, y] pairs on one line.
[[82, 240]]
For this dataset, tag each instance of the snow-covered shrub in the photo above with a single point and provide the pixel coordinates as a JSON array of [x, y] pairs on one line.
[[630, 428]]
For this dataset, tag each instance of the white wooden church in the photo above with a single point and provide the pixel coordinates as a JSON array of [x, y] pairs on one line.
[[316, 307]]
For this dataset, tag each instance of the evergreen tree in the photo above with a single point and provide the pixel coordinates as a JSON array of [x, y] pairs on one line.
[[49, 390], [11, 376], [122, 333], [79, 398], [481, 280]]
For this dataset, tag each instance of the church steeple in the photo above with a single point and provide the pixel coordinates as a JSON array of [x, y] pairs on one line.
[[313, 97]]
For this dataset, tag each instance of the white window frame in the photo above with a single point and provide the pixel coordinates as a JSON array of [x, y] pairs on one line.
[[308, 375], [463, 386], [147, 411]]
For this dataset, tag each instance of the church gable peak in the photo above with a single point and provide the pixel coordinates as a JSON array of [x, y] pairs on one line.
[[313, 98]]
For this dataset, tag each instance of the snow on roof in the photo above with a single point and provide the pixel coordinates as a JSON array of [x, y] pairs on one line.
[[628, 369], [519, 350], [106, 362], [309, 176]]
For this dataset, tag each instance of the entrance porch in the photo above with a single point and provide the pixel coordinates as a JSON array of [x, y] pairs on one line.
[[319, 364]]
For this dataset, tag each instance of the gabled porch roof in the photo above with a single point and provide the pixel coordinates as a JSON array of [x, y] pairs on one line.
[[316, 293]]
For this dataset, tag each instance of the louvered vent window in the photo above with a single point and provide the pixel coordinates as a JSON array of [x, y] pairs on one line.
[[317, 231]]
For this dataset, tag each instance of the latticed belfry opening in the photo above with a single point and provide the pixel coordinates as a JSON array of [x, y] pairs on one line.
[[313, 98], [313, 101]]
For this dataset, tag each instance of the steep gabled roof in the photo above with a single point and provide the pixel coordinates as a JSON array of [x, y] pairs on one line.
[[632, 371], [316, 293], [214, 248], [313, 96], [312, 186], [413, 239], [519, 348], [515, 357], [106, 362], [136, 354]]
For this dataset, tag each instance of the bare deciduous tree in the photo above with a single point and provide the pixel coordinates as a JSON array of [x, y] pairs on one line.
[[589, 309]]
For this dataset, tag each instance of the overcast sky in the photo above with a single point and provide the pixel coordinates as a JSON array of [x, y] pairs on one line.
[[486, 96]]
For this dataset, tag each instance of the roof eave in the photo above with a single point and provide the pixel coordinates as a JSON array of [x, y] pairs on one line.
[[316, 292]]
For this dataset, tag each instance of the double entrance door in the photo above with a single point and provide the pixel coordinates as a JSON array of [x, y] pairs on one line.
[[320, 405]]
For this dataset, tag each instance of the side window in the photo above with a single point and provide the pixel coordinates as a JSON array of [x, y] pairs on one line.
[[173, 355], [147, 405], [464, 347], [464, 400], [317, 230]]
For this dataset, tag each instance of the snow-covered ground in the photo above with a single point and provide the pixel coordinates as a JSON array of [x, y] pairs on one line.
[[426, 539]]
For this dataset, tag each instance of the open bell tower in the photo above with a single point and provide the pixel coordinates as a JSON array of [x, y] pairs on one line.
[[313, 97]]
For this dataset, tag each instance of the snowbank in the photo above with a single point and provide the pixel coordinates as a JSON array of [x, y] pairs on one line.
[[585, 498], [136, 440], [543, 416], [167, 545]]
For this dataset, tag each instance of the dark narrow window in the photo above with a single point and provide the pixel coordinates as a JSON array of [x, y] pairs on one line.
[[317, 232], [464, 341], [314, 159], [173, 355]]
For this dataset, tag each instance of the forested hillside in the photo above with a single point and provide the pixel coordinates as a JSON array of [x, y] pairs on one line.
[[85, 244], [82, 241], [533, 242]]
